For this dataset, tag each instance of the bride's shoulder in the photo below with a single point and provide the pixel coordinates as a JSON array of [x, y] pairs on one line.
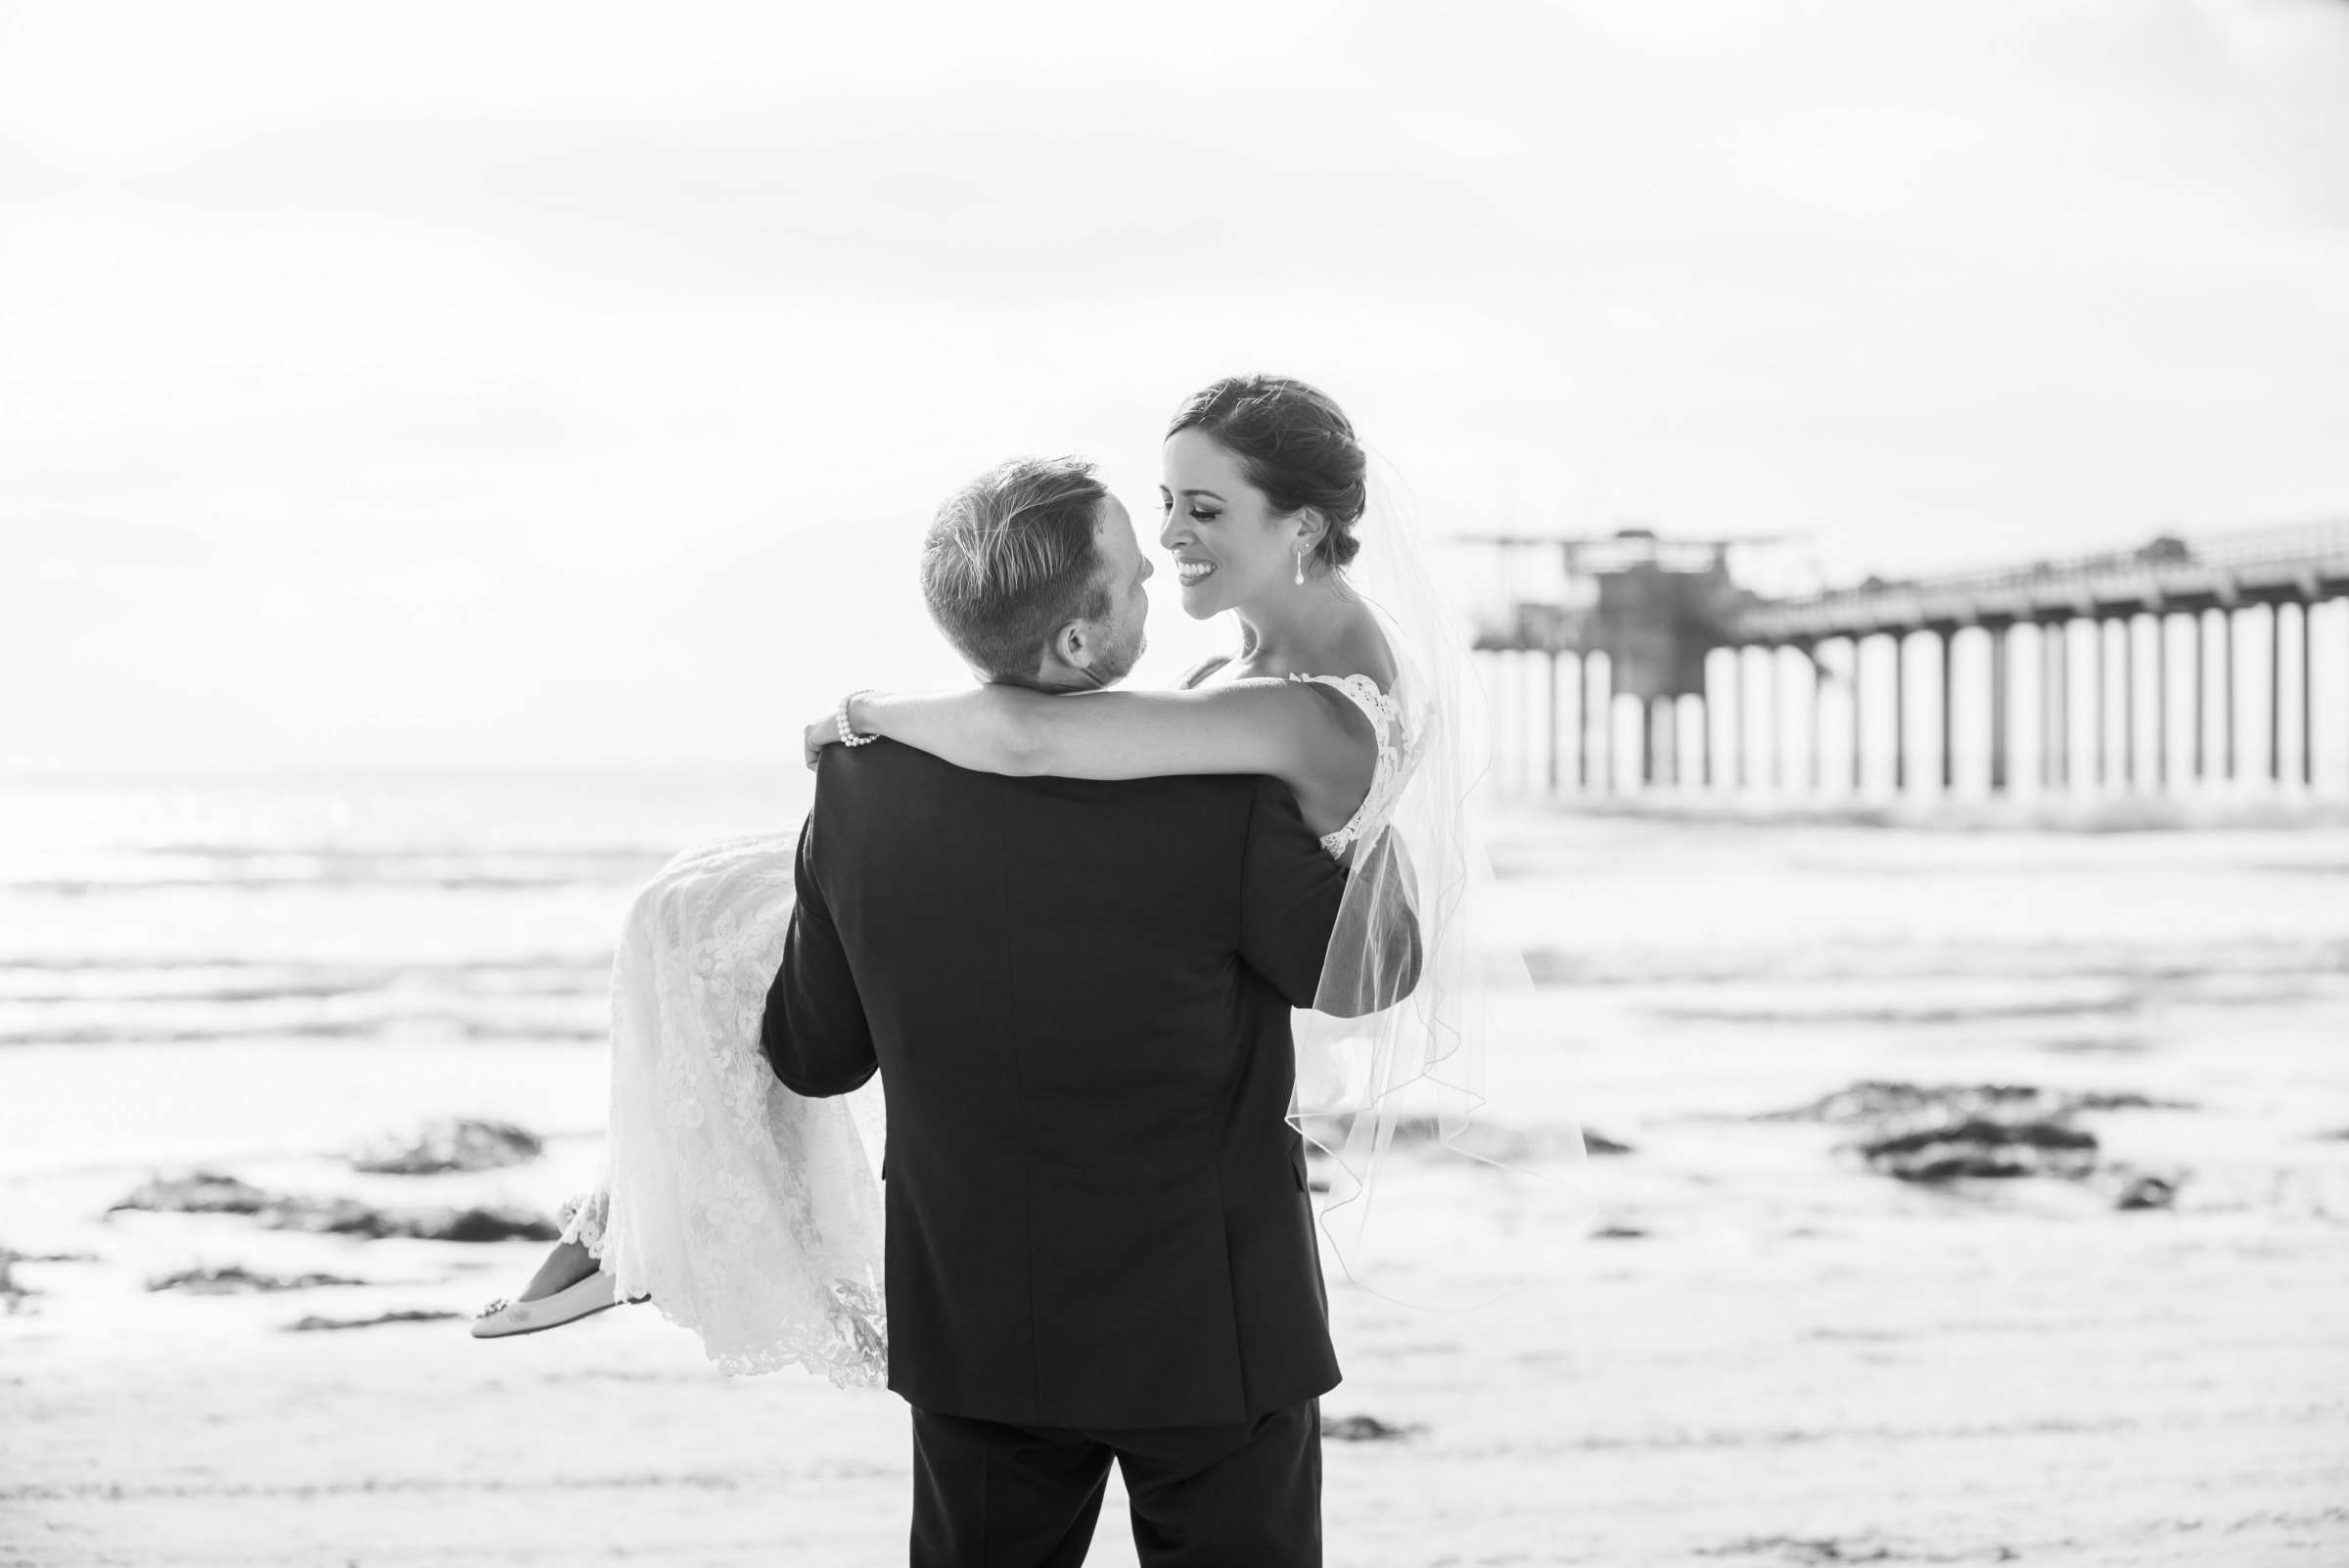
[[1355, 673], [1362, 649]]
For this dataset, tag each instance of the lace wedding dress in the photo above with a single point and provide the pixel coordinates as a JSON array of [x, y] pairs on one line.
[[751, 1215]]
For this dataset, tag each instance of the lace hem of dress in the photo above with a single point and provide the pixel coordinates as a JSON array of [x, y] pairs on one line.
[[582, 1217], [850, 1347]]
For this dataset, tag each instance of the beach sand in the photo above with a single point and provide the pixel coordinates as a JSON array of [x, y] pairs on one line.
[[1762, 1353]]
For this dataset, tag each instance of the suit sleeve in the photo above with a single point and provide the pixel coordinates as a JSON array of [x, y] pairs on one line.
[[814, 1032], [1290, 890]]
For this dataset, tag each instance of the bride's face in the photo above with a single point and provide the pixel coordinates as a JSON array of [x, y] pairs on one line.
[[1230, 548]]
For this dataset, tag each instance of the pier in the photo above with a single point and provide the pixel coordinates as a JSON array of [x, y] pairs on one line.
[[1637, 662]]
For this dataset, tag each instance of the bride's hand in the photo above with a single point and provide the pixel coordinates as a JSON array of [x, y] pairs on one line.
[[818, 735]]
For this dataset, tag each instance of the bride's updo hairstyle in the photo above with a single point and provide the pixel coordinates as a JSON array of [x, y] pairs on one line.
[[1295, 445]]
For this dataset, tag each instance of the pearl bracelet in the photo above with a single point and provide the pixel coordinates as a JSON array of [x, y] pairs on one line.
[[839, 718]]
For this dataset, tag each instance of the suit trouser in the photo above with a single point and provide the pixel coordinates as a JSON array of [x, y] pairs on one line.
[[986, 1494]]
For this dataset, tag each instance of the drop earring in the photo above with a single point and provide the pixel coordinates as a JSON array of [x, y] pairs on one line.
[[1301, 566]]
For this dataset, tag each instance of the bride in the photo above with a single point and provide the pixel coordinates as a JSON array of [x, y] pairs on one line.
[[752, 1215]]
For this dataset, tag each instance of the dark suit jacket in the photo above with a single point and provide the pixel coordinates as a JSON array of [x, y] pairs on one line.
[[1078, 996]]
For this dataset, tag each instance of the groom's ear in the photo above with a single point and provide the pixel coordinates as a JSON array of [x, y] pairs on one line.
[[1071, 646]]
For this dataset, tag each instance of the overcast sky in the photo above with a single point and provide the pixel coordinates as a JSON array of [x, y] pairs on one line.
[[493, 384]]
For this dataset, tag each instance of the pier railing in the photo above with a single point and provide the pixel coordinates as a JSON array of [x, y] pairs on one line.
[[2264, 565]]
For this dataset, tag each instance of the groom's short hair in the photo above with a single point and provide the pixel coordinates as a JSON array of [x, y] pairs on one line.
[[1010, 559]]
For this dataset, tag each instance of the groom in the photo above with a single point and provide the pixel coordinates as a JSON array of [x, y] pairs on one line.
[[1100, 1244]]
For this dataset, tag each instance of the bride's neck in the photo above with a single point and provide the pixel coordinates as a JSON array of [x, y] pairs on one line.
[[1291, 635]]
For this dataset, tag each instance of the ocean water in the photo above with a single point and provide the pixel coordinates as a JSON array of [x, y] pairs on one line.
[[379, 910], [197, 968], [395, 909]]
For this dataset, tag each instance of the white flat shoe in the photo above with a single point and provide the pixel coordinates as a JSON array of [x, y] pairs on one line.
[[502, 1318]]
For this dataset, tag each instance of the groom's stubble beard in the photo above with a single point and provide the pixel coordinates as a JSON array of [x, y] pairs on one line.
[[1109, 672], [1129, 657], [1103, 672], [1133, 657], [1116, 662]]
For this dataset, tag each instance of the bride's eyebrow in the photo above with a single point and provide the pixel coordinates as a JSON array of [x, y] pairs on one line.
[[1209, 495]]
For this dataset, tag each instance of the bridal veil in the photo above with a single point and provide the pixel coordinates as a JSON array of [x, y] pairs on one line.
[[1379, 1087]]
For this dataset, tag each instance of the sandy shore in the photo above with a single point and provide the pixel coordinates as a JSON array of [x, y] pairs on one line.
[[1791, 1360]]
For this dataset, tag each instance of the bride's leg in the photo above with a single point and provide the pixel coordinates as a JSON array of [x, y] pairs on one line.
[[570, 1282], [565, 1267]]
